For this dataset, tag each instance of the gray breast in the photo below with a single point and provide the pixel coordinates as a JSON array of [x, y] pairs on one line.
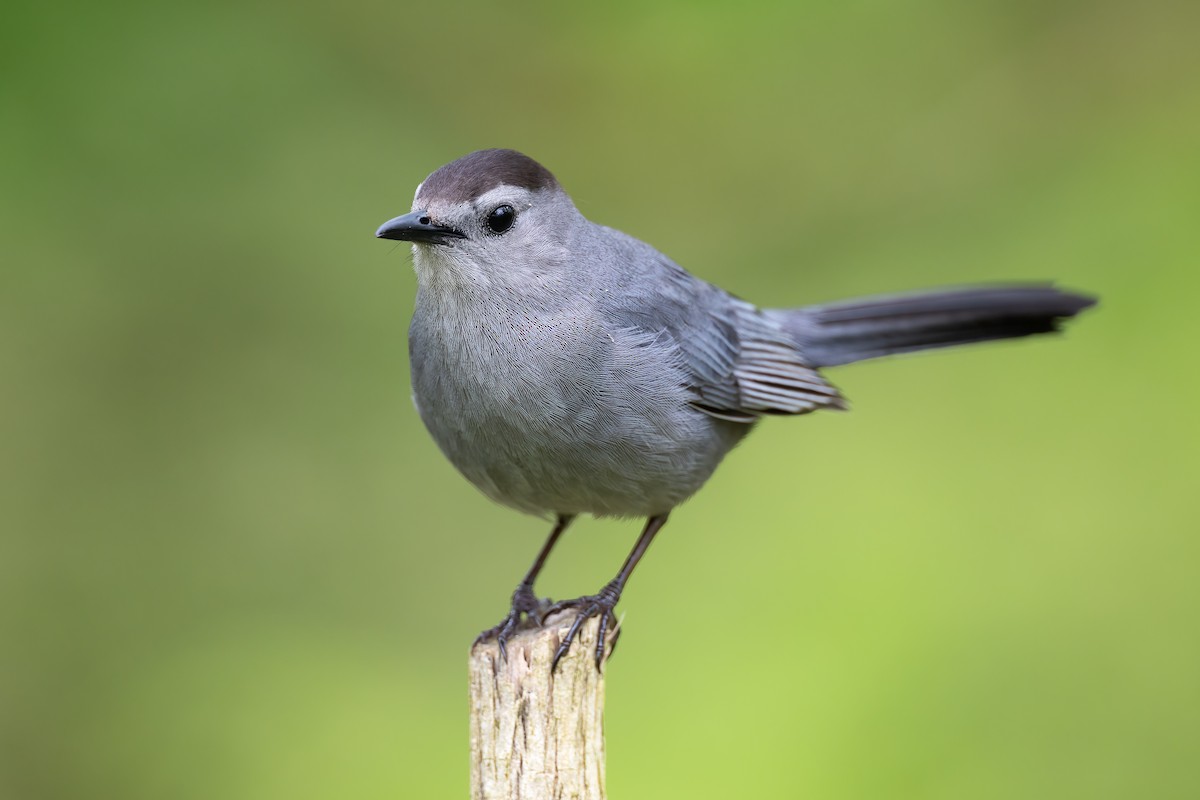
[[555, 412]]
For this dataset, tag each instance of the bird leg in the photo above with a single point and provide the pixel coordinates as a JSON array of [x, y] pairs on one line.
[[524, 602], [602, 603]]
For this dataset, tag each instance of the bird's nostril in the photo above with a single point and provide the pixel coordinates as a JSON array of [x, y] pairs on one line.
[[424, 220]]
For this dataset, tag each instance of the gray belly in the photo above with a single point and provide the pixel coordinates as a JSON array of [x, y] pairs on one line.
[[604, 429]]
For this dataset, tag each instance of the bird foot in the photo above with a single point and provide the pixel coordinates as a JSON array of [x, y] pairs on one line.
[[526, 607], [595, 605]]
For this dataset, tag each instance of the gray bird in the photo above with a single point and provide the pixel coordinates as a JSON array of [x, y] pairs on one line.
[[566, 368]]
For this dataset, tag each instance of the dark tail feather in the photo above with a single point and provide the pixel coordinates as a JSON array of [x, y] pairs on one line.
[[869, 327]]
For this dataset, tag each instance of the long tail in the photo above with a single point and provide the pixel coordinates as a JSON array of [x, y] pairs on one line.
[[870, 327]]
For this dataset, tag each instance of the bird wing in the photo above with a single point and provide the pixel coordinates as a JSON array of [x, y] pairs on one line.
[[742, 364], [771, 373]]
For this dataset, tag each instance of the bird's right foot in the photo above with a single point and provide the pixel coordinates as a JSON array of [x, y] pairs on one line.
[[526, 607]]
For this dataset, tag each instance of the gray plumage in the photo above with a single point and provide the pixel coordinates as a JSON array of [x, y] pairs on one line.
[[564, 367]]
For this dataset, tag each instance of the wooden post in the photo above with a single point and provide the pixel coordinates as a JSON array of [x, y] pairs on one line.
[[537, 735]]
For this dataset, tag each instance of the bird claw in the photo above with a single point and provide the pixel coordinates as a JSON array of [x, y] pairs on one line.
[[600, 605], [525, 605]]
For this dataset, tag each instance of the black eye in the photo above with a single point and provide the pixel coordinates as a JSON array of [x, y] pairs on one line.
[[501, 218]]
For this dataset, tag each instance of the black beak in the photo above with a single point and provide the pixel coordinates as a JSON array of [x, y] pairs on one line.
[[417, 227]]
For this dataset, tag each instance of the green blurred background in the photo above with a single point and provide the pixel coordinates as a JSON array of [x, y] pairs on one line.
[[233, 565]]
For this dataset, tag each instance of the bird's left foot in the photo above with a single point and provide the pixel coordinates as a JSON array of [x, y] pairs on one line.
[[525, 604], [595, 605]]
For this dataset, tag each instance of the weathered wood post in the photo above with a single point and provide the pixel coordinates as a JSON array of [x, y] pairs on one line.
[[537, 735]]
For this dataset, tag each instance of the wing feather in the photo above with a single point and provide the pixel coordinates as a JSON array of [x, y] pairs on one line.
[[741, 363]]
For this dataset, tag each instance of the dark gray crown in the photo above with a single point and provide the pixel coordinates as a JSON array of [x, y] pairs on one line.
[[475, 174]]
